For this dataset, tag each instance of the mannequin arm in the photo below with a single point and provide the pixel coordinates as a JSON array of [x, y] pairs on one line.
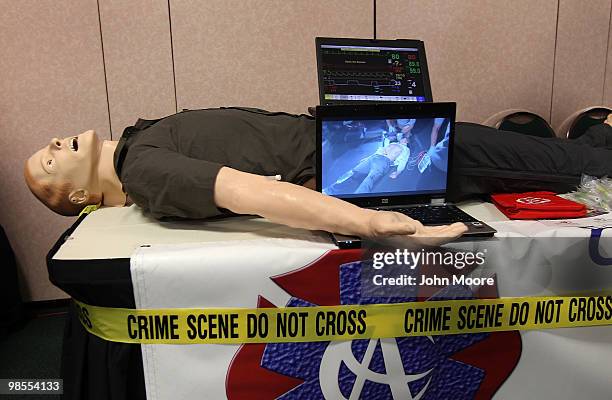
[[299, 207]]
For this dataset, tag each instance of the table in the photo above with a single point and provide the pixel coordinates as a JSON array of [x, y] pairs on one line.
[[91, 262]]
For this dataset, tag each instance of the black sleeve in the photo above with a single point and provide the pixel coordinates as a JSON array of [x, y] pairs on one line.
[[170, 184]]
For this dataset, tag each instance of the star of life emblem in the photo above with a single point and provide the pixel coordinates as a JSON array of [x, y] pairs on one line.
[[390, 369], [461, 367]]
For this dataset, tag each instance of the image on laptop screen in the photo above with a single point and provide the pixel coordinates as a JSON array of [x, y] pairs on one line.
[[381, 73], [384, 157]]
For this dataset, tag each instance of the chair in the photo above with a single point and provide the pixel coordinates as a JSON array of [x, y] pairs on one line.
[[578, 123], [521, 121]]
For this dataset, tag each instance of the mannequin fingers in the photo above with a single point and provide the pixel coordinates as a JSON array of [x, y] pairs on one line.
[[454, 229], [451, 231], [436, 228], [458, 228], [395, 224], [401, 228], [395, 229], [438, 235]]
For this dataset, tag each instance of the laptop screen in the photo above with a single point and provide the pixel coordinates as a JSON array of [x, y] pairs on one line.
[[374, 157], [387, 71]]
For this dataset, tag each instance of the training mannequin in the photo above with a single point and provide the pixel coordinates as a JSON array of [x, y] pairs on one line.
[[161, 173], [205, 163]]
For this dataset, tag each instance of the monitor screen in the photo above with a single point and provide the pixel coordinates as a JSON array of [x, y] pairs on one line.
[[384, 157], [372, 73]]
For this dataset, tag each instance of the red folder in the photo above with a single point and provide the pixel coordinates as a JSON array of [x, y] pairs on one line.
[[537, 205]]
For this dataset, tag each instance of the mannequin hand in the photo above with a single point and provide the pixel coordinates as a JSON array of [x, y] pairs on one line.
[[609, 120], [393, 175], [388, 223]]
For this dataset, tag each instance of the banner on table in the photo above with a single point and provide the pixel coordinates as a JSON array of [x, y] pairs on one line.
[[280, 277]]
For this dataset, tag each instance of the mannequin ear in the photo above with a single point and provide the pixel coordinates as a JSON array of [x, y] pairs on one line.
[[79, 196]]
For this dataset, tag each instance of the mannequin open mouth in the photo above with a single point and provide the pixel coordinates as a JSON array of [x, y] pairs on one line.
[[73, 143]]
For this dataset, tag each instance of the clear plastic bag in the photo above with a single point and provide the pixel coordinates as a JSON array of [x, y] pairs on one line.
[[594, 193]]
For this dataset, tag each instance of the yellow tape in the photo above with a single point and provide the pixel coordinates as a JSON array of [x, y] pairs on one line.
[[309, 324], [89, 209]]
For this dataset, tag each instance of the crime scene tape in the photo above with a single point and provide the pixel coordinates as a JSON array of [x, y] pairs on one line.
[[346, 322]]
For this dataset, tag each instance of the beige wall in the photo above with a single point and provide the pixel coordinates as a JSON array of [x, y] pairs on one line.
[[607, 91], [51, 84], [67, 66], [488, 56], [257, 53], [138, 60], [582, 44]]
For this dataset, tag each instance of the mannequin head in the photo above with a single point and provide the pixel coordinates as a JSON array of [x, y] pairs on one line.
[[64, 174]]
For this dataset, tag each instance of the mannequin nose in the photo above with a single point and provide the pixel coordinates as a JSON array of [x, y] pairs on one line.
[[56, 143]]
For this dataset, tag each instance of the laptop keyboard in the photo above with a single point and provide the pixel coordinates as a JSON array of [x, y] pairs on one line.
[[436, 215]]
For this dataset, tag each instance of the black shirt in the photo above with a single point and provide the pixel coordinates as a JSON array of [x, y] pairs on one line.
[[170, 168]]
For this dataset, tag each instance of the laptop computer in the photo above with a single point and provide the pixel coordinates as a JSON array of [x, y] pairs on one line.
[[369, 70], [391, 157]]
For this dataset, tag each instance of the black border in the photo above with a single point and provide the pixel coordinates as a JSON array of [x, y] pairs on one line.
[[420, 45], [105, 282], [384, 111]]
